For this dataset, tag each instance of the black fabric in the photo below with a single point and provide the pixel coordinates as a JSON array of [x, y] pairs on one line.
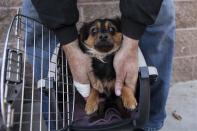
[[131, 121], [61, 16], [137, 15]]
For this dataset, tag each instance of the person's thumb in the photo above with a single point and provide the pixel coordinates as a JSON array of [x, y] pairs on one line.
[[119, 83]]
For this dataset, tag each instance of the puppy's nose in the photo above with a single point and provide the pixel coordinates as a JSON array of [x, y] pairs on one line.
[[103, 36]]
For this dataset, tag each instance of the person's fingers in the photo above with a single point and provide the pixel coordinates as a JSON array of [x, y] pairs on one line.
[[131, 78], [119, 82], [118, 87]]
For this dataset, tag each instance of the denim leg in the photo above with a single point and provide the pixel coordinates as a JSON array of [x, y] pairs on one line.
[[29, 10], [157, 45]]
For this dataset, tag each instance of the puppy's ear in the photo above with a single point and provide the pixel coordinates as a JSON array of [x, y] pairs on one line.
[[117, 23], [84, 32]]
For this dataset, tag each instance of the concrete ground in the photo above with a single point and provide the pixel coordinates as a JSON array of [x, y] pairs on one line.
[[183, 100]]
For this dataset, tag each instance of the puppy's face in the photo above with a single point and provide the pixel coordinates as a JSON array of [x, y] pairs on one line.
[[102, 35]]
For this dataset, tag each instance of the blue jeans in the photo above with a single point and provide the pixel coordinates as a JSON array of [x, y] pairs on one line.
[[157, 45], [41, 66]]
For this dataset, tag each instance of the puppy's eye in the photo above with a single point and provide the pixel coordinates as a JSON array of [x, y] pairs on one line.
[[111, 29], [94, 30]]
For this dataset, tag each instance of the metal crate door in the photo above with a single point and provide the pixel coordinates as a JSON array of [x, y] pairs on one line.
[[36, 86]]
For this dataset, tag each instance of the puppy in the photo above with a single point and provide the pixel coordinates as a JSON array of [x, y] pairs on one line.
[[101, 39]]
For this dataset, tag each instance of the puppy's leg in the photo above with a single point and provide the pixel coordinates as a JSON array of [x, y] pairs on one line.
[[128, 98], [92, 102], [95, 83]]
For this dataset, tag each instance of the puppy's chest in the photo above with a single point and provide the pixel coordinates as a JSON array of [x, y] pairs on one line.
[[104, 71]]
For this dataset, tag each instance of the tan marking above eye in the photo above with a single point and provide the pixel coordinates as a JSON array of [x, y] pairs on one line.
[[107, 25], [98, 24]]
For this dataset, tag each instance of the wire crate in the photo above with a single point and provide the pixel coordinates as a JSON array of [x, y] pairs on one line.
[[36, 85]]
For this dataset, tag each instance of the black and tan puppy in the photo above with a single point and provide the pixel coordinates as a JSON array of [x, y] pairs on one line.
[[101, 39]]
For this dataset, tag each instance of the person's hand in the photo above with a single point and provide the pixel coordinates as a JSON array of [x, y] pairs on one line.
[[80, 65], [126, 65]]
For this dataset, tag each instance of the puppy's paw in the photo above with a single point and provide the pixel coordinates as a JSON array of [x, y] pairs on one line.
[[91, 107], [128, 98], [129, 103], [92, 102]]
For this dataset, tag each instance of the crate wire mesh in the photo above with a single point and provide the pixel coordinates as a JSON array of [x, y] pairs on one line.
[[36, 85]]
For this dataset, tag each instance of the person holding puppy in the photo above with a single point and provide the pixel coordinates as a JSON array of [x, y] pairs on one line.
[[149, 25]]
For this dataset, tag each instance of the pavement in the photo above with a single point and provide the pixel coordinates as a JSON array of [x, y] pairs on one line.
[[183, 100]]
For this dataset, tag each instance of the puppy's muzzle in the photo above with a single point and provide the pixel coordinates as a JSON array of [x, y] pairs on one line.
[[103, 37], [104, 46]]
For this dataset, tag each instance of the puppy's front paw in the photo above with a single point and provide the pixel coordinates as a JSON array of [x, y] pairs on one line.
[[91, 107], [128, 98], [129, 103], [92, 102]]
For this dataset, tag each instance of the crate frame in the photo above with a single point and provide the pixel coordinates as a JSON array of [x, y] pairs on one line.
[[18, 33]]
